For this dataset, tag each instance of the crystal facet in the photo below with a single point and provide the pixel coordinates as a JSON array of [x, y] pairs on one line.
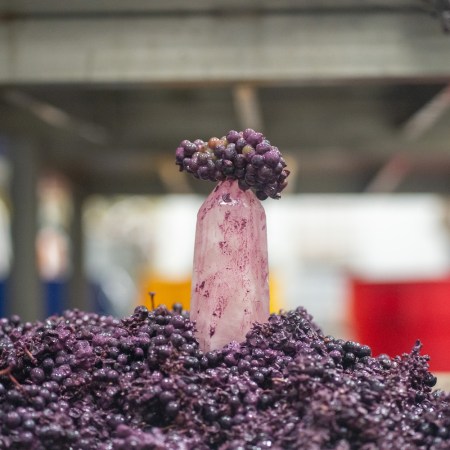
[[230, 288]]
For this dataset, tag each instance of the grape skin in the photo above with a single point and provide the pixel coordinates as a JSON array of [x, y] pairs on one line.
[[84, 381]]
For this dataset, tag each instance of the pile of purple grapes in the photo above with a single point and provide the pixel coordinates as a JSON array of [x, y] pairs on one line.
[[84, 381], [246, 156]]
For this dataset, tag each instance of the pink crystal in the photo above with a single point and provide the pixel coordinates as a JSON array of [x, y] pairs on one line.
[[230, 289]]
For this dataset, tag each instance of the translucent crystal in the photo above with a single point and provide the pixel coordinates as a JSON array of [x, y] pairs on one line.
[[230, 289]]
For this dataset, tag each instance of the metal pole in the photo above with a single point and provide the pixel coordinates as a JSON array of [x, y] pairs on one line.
[[25, 291], [78, 286]]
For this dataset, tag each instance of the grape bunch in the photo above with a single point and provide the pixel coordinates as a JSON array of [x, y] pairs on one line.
[[84, 381], [246, 156]]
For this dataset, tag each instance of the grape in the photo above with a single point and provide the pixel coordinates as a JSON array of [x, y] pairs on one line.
[[240, 161], [218, 151], [213, 142], [203, 173], [263, 147], [248, 151], [230, 152], [243, 185], [190, 149], [272, 158], [247, 132], [257, 161], [84, 381], [261, 195], [254, 138], [180, 154], [233, 157], [240, 144], [233, 136]]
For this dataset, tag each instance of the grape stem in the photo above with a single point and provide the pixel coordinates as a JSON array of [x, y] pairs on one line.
[[33, 359], [152, 299], [7, 371], [281, 380]]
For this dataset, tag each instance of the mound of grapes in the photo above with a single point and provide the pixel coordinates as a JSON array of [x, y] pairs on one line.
[[84, 381]]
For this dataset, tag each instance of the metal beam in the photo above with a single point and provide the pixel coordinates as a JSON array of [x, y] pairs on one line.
[[57, 118], [424, 119], [398, 166], [346, 166], [78, 285], [391, 174], [261, 48], [45, 7]]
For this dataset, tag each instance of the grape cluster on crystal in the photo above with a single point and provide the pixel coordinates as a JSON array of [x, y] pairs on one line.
[[83, 381], [246, 156]]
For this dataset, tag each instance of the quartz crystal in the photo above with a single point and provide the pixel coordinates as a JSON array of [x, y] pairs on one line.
[[230, 289]]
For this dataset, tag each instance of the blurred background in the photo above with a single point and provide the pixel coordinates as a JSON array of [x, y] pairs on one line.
[[96, 95]]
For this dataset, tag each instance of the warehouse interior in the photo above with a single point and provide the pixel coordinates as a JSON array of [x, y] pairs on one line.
[[96, 95]]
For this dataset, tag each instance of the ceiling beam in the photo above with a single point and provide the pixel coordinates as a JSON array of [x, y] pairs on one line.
[[391, 174], [56, 117], [19, 8], [424, 119], [262, 48], [157, 174]]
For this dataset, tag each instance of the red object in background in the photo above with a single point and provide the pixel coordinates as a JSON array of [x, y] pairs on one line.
[[391, 316]]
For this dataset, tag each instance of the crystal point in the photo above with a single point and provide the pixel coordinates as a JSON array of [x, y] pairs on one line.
[[230, 289]]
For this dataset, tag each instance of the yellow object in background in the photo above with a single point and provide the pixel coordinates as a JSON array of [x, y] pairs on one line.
[[276, 297], [169, 291]]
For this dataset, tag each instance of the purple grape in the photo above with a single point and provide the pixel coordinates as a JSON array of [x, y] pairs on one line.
[[240, 161], [185, 143], [240, 144], [247, 132], [189, 149], [272, 158], [228, 167], [265, 172], [254, 139], [261, 195], [179, 154], [219, 150], [232, 136], [202, 158], [186, 163], [250, 180], [193, 165], [37, 375], [12, 419], [230, 152], [142, 382], [243, 185], [263, 147], [278, 169], [219, 176], [271, 190], [235, 161], [200, 144]]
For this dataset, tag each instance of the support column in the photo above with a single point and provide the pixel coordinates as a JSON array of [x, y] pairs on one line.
[[78, 287], [25, 290]]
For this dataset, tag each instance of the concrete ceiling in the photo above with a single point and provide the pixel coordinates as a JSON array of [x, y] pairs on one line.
[[26, 7], [354, 92]]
